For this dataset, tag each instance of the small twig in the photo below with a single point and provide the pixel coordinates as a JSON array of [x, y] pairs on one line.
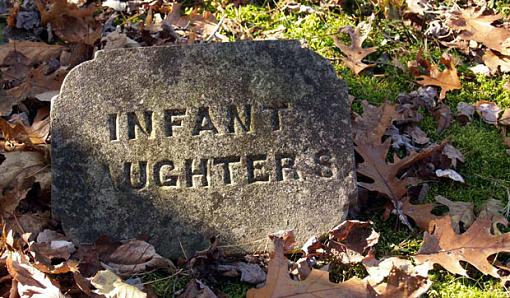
[[507, 212], [183, 251], [18, 223], [163, 278], [216, 29]]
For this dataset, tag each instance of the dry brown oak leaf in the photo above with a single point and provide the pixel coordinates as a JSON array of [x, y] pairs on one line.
[[460, 212], [445, 247], [473, 25], [317, 284], [496, 62], [355, 52], [368, 134], [447, 80], [70, 23]]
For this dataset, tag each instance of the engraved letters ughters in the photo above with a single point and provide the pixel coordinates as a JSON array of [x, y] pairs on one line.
[[168, 173]]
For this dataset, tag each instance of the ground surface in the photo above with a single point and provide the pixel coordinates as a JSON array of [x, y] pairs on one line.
[[486, 168]]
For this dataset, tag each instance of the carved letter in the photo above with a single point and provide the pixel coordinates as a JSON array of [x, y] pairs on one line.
[[233, 117], [276, 116], [203, 122], [324, 164], [113, 125], [173, 118], [190, 171], [225, 162], [285, 167], [134, 126], [130, 171], [255, 166], [161, 173]]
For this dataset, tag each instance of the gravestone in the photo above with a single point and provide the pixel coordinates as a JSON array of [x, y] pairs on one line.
[[183, 143]]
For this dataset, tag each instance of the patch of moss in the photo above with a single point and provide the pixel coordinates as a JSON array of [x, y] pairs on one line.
[[448, 285], [165, 285]]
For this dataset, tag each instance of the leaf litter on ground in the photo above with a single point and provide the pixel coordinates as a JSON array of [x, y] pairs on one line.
[[42, 257]]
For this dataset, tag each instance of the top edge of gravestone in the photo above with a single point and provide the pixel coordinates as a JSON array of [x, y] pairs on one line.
[[104, 55]]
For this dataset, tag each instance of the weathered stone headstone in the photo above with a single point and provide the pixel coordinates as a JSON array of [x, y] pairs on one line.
[[183, 143]]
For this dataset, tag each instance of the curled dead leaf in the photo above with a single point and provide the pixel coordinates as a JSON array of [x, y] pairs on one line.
[[489, 111], [136, 256], [352, 240]]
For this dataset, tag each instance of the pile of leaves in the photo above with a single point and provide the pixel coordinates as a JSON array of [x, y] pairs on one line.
[[396, 160]]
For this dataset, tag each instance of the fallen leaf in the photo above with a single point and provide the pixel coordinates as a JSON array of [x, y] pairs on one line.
[[39, 131], [450, 173], [116, 40], [494, 209], [355, 53], [250, 273], [386, 177], [34, 52], [33, 222], [489, 111], [37, 82], [465, 113], [51, 244], [419, 7], [453, 154], [197, 289], [136, 256], [69, 22], [473, 24], [301, 268], [115, 4], [445, 247], [505, 118], [352, 240], [317, 284], [418, 135], [289, 239], [112, 286], [496, 62], [19, 132], [421, 214], [18, 172], [481, 69], [459, 212], [447, 79], [396, 277], [443, 115], [31, 282]]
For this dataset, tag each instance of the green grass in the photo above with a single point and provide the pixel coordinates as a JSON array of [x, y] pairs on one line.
[[487, 166]]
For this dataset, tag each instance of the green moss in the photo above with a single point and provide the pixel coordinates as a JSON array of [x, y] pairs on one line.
[[234, 289], [447, 285], [395, 239], [165, 285]]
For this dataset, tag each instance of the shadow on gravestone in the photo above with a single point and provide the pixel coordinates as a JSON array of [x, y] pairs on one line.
[[183, 143]]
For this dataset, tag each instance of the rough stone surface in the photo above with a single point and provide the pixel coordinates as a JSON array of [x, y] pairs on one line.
[[135, 130]]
